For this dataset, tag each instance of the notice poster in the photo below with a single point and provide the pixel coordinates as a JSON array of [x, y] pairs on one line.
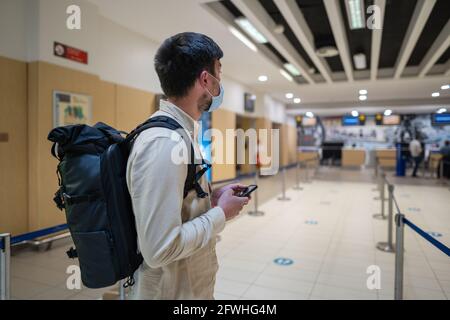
[[71, 108]]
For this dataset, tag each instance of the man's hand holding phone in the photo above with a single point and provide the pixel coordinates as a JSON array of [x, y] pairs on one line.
[[231, 199]]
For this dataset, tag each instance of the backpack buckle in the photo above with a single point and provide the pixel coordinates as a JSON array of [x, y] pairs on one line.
[[72, 253], [59, 199]]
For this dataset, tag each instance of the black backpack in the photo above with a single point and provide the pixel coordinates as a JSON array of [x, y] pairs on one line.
[[94, 193]]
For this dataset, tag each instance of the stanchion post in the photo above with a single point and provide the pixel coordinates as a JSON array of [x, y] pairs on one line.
[[388, 246], [256, 211], [399, 255], [382, 197], [122, 295], [5, 267], [376, 166], [308, 180], [297, 177], [441, 173], [283, 186]]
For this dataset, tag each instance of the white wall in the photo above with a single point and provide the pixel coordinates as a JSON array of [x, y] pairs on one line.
[[28, 29], [126, 57], [52, 27], [12, 29]]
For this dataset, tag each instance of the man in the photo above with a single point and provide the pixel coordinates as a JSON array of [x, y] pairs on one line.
[[445, 150], [177, 235], [415, 148], [445, 161]]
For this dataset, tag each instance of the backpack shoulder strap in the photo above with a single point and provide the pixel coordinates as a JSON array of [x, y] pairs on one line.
[[193, 177]]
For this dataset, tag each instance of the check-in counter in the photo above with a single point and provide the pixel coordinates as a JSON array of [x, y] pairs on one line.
[[353, 157], [434, 161], [387, 158], [311, 157]]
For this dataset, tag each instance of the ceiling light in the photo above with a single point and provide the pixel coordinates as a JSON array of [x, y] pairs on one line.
[[363, 98], [263, 78], [309, 114], [442, 110], [363, 92], [355, 113], [435, 94], [297, 100], [289, 95], [387, 112], [355, 14], [250, 30], [286, 75], [279, 29], [327, 51], [293, 70], [243, 38], [445, 87], [360, 61]]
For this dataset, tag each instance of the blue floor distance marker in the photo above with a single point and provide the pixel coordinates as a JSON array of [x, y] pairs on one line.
[[435, 234], [283, 261]]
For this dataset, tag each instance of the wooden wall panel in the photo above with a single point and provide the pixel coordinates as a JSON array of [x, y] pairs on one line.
[[106, 95], [43, 181], [223, 120], [133, 107], [13, 152], [292, 143], [246, 123], [263, 123]]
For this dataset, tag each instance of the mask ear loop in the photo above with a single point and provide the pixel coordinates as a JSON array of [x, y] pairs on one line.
[[217, 82]]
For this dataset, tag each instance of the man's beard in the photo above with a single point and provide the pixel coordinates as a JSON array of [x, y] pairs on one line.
[[204, 105]]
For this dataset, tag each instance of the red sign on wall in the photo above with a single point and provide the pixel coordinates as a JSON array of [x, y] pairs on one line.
[[71, 53]]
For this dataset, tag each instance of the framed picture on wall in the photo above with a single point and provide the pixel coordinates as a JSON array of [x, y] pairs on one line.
[[71, 108]]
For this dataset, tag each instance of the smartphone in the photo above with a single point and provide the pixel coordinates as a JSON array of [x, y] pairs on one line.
[[247, 191]]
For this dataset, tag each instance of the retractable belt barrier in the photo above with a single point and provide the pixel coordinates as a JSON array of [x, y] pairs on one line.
[[5, 266], [398, 248], [6, 242], [401, 221], [427, 237]]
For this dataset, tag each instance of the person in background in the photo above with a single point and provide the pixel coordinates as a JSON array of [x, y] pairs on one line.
[[415, 148], [445, 152]]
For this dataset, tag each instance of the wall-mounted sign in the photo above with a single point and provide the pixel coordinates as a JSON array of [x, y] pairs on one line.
[[71, 53], [71, 108], [4, 137], [249, 102]]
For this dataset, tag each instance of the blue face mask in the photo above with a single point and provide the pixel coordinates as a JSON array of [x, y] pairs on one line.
[[216, 100]]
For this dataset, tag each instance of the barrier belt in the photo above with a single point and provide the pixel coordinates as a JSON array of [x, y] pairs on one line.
[[428, 237], [35, 234]]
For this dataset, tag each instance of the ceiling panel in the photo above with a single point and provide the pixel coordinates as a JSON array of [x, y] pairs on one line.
[[436, 22], [397, 17], [317, 19], [444, 58], [232, 8], [360, 40], [278, 18]]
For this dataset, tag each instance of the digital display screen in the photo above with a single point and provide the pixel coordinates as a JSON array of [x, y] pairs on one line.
[[350, 121], [391, 120], [354, 121], [441, 119], [309, 122]]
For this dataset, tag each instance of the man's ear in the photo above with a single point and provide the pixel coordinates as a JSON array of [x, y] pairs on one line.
[[203, 78]]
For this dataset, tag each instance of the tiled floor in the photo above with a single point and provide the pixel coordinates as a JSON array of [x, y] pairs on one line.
[[327, 230]]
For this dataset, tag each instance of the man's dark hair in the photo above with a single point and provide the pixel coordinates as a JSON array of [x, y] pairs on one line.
[[182, 58]]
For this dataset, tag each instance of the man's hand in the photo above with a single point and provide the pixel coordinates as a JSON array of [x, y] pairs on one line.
[[231, 204], [216, 194]]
